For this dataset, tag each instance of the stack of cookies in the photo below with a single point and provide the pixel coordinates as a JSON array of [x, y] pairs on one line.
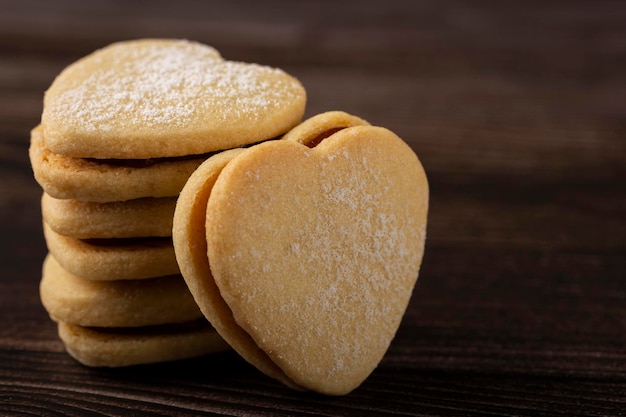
[[176, 227], [121, 132]]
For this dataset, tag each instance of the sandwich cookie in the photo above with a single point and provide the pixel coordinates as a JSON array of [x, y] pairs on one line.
[[143, 217], [113, 259], [116, 347], [128, 303], [310, 249], [102, 180], [136, 118]]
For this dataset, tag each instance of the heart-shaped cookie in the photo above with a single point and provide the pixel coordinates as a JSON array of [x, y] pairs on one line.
[[313, 250], [154, 98]]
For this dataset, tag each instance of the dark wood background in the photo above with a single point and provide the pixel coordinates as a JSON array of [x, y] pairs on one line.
[[518, 113]]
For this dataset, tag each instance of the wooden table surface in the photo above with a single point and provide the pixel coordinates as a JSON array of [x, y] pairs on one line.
[[518, 113]]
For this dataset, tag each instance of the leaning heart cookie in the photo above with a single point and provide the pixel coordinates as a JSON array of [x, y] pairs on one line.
[[313, 250]]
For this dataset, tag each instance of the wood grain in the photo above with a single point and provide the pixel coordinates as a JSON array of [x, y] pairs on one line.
[[516, 111]]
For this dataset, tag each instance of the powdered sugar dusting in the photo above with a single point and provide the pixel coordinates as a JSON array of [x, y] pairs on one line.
[[168, 85], [370, 257], [352, 257]]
